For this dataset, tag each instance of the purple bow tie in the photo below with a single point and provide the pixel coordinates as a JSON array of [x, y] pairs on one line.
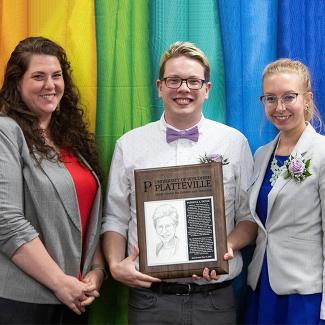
[[192, 134]]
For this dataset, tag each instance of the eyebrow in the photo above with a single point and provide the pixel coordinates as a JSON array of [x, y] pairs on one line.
[[42, 72], [178, 76], [286, 92]]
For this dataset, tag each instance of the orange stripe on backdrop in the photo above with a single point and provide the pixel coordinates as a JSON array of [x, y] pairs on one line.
[[71, 23], [12, 28]]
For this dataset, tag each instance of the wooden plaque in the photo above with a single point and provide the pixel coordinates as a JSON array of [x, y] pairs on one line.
[[181, 220]]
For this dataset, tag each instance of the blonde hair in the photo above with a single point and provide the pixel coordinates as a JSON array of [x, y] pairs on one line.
[[294, 66], [189, 50]]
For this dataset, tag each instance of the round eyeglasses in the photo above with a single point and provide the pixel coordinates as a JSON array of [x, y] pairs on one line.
[[271, 101], [191, 83]]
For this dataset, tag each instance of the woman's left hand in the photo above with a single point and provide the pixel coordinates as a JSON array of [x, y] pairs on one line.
[[95, 278]]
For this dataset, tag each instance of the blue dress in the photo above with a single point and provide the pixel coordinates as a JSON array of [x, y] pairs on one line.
[[264, 306]]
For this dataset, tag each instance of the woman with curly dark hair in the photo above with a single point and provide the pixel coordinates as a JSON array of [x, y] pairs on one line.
[[50, 194]]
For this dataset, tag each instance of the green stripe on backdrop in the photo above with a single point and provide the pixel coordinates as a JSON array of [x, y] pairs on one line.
[[197, 22], [123, 103], [123, 93]]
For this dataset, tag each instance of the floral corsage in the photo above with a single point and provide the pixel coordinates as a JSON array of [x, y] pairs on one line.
[[297, 168], [213, 158]]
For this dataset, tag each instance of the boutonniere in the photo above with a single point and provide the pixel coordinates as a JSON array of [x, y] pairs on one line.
[[297, 168], [213, 158]]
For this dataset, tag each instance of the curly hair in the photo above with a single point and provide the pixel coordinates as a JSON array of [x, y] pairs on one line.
[[67, 127], [165, 210]]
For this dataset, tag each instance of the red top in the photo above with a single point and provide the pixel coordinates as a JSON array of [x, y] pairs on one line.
[[85, 185]]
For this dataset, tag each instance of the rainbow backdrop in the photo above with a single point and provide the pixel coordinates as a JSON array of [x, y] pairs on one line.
[[114, 48]]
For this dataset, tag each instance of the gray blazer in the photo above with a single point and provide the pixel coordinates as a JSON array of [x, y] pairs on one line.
[[293, 237], [38, 202]]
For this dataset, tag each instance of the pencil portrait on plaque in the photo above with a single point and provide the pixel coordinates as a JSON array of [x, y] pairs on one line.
[[181, 220], [165, 232]]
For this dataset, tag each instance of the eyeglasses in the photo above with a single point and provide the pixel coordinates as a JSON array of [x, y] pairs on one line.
[[271, 101], [191, 83]]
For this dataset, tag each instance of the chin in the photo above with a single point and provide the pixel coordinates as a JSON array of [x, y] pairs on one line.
[[285, 128], [281, 125], [186, 111]]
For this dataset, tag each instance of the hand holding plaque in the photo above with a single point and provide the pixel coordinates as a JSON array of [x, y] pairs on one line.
[[181, 220]]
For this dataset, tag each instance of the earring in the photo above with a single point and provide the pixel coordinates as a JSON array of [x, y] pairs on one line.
[[307, 108]]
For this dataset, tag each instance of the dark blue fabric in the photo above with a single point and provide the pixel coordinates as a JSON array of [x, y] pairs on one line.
[[264, 306], [301, 35]]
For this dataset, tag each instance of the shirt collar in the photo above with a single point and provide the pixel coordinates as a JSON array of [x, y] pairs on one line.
[[164, 125]]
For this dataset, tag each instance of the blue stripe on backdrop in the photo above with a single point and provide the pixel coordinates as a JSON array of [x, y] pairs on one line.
[[301, 35], [197, 22], [248, 30]]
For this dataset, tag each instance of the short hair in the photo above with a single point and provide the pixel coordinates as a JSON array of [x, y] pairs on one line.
[[165, 210], [286, 65], [189, 50]]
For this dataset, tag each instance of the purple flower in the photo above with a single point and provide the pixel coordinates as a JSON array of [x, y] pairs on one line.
[[213, 158], [296, 167], [216, 157]]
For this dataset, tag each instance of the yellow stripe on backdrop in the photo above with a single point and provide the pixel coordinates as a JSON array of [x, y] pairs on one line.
[[71, 23]]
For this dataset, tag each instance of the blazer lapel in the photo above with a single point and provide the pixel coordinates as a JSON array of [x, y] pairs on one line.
[[261, 162], [93, 217], [61, 180], [95, 213], [301, 147], [279, 184], [89, 167], [305, 141]]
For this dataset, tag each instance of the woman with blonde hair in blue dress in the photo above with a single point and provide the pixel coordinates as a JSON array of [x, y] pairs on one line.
[[286, 274]]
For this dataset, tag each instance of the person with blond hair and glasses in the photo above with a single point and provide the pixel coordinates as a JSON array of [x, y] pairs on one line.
[[180, 137], [51, 266], [286, 274]]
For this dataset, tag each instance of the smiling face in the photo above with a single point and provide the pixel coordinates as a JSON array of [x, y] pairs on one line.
[[183, 106], [42, 86], [287, 118], [165, 228]]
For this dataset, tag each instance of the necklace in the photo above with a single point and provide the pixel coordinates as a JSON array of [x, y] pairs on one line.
[[275, 168]]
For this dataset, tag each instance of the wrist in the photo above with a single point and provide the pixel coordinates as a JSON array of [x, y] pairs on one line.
[[114, 268], [57, 280], [100, 267]]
